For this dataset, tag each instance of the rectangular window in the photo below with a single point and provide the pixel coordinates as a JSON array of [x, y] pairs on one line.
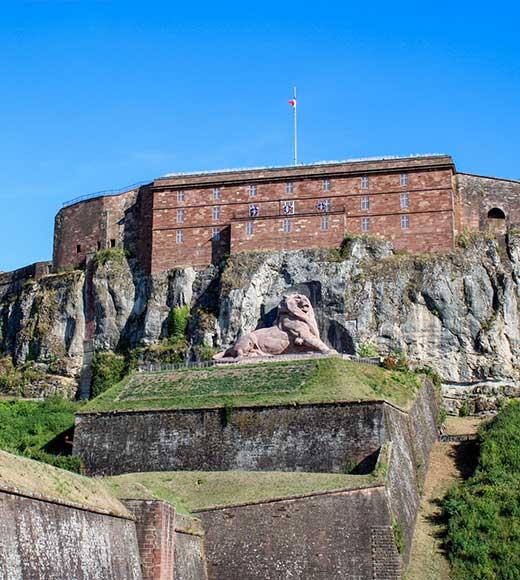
[[78, 249], [403, 179], [179, 237], [252, 190], [365, 202], [405, 200], [324, 223], [216, 193], [180, 216], [254, 210], [365, 224], [112, 243], [289, 187], [216, 212], [249, 229], [215, 234], [286, 226], [405, 222], [324, 205], [99, 246], [326, 185], [180, 196], [288, 207], [364, 182]]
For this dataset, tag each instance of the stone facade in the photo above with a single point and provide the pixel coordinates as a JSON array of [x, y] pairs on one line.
[[419, 204]]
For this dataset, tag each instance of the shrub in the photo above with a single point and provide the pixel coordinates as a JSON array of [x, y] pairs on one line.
[[483, 512], [37, 430], [102, 257], [178, 322], [108, 368], [396, 361], [367, 350], [205, 352]]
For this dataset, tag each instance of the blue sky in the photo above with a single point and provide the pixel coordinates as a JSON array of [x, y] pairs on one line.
[[97, 95]]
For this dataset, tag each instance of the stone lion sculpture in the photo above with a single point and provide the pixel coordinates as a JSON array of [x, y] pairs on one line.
[[294, 331]]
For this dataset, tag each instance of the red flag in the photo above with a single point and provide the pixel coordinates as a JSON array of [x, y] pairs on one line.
[[292, 102]]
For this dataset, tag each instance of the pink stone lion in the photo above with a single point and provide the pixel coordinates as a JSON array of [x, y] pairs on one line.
[[294, 331]]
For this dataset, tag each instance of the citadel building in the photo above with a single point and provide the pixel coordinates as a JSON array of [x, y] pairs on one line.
[[419, 203]]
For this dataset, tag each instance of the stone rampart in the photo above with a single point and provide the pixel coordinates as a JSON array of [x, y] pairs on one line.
[[314, 438], [49, 540], [343, 534]]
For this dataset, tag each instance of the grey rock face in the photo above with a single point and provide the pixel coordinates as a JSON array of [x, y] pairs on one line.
[[457, 312]]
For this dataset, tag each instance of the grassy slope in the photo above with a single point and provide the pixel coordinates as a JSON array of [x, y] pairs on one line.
[[484, 511], [34, 477], [191, 490], [27, 427], [306, 381]]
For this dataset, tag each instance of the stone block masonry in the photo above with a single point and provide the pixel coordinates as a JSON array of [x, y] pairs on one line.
[[48, 540], [419, 203], [170, 545], [315, 438]]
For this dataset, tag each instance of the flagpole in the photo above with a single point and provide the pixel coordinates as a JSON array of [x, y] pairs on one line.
[[295, 130]]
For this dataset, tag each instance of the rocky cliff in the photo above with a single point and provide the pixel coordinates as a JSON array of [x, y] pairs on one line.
[[457, 312]]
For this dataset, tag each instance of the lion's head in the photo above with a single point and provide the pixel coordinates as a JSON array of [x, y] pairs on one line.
[[298, 306]]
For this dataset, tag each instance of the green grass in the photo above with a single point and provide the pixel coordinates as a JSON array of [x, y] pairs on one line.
[[484, 511], [34, 477], [33, 428], [291, 382], [195, 490]]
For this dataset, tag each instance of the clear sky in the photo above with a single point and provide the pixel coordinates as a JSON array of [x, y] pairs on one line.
[[97, 95]]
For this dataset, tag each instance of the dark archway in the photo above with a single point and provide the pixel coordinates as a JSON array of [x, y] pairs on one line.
[[497, 220], [496, 214]]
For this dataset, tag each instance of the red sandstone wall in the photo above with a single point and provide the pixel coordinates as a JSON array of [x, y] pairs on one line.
[[92, 225], [430, 209], [477, 195]]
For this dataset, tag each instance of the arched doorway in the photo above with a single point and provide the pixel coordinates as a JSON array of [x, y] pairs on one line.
[[497, 220]]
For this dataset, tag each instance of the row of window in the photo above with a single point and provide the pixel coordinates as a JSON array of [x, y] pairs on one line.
[[99, 246], [289, 187], [287, 227], [288, 207], [404, 201], [404, 222]]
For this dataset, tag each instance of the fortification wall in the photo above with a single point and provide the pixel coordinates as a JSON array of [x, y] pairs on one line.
[[170, 544], [347, 534], [412, 435], [47, 540], [314, 438], [12, 282], [477, 195]]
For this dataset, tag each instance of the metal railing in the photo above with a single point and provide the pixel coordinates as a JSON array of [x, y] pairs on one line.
[[166, 367], [105, 193]]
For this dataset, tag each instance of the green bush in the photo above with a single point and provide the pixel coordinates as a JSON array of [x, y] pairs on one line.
[[205, 352], [37, 430], [110, 255], [108, 368], [178, 322], [367, 350], [483, 513]]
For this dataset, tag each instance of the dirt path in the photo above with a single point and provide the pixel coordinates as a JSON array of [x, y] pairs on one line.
[[449, 462]]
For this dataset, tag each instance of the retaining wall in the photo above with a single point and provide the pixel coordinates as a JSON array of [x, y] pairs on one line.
[[314, 438], [47, 540]]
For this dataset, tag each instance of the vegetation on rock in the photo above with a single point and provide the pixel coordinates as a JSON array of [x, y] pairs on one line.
[[108, 368], [484, 511]]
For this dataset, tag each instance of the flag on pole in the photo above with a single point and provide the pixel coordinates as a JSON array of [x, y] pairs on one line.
[[292, 102]]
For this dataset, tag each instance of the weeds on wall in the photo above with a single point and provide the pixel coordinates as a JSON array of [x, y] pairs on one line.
[[102, 257]]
